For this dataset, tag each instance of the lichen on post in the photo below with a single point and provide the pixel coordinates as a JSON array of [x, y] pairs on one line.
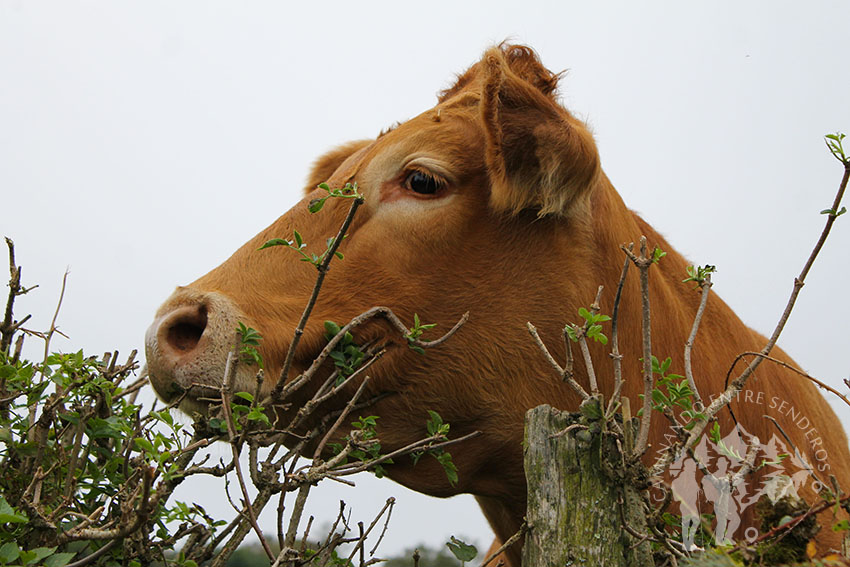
[[574, 495]]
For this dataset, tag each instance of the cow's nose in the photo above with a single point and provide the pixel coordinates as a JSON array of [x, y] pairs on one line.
[[187, 344], [182, 330]]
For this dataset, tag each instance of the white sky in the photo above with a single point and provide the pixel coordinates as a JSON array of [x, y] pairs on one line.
[[142, 143]]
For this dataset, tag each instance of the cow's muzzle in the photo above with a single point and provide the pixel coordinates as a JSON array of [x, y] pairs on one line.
[[188, 342]]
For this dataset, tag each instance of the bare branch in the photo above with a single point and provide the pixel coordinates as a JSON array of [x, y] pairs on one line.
[[738, 383], [342, 416], [323, 270], [705, 287], [562, 373], [226, 389], [643, 263], [282, 391], [523, 529], [363, 535], [615, 344]]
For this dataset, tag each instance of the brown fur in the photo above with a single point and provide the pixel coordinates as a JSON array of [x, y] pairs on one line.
[[527, 227]]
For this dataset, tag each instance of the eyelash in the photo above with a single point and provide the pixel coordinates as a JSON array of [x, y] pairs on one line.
[[423, 183]]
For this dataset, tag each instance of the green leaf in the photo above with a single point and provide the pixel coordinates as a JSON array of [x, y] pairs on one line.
[[331, 329], [8, 515], [257, 414], [9, 552], [298, 240], [145, 445], [591, 409], [435, 423], [39, 553], [58, 559], [316, 205], [274, 242], [714, 434], [461, 550], [445, 459], [245, 396]]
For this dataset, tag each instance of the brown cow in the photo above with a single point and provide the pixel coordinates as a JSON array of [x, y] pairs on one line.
[[492, 202]]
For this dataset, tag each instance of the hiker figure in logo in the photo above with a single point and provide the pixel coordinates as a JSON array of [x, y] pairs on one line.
[[715, 471], [686, 491], [725, 490]]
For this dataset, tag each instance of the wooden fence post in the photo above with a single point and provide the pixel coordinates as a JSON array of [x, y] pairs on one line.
[[574, 495]]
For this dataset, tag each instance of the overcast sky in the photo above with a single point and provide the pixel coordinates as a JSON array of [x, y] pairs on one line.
[[142, 143]]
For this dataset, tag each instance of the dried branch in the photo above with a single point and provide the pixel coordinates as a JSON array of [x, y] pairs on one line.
[[8, 326], [226, 389], [616, 357], [643, 264], [308, 309], [705, 289], [342, 416], [364, 534], [563, 374], [523, 529], [284, 391], [94, 555], [425, 444], [792, 368], [738, 383]]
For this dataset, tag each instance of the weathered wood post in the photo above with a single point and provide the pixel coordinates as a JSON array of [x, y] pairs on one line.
[[575, 485]]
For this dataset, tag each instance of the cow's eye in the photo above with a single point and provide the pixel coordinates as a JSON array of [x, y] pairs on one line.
[[422, 183]]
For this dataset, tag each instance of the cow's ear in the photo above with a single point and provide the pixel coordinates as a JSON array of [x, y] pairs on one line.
[[328, 163], [538, 156]]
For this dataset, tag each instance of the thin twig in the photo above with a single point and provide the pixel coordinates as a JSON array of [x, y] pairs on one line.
[[355, 468], [391, 500], [6, 327], [734, 388], [282, 391], [705, 287], [643, 263], [94, 555], [363, 535], [308, 408], [308, 309], [616, 357], [523, 529], [562, 373], [794, 369], [226, 389], [588, 364], [342, 416]]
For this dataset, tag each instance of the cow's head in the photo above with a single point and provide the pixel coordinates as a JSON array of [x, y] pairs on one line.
[[465, 206]]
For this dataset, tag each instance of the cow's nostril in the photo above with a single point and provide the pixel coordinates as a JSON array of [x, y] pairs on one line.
[[186, 330]]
